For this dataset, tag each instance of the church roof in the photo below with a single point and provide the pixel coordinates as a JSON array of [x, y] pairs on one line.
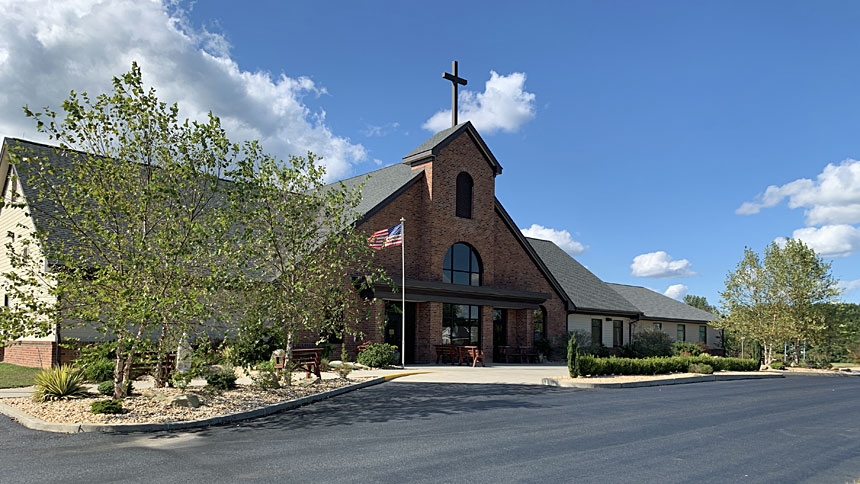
[[381, 187], [657, 306], [434, 145], [40, 208], [585, 290]]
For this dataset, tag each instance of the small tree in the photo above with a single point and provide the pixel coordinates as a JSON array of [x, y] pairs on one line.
[[773, 299], [129, 218], [572, 356]]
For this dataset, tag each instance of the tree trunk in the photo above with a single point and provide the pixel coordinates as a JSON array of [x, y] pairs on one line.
[[118, 370], [159, 354], [288, 358]]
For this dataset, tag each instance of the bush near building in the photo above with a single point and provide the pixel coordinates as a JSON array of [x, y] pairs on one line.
[[589, 365]]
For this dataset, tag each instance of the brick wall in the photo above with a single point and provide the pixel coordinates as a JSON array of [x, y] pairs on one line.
[[37, 354], [432, 228]]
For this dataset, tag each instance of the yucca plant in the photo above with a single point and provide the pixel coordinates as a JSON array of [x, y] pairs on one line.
[[59, 383]]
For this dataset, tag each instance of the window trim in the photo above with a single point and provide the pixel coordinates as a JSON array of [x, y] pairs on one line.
[[703, 334], [681, 333], [658, 326]]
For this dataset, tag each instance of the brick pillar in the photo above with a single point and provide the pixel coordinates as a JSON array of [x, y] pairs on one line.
[[428, 331], [487, 332]]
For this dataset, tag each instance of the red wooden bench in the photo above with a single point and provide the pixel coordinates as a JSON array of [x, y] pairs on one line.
[[448, 351], [307, 359], [146, 364]]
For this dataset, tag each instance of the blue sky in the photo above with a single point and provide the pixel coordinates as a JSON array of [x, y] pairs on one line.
[[640, 128]]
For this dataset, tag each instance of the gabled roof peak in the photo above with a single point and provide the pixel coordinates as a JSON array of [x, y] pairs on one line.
[[434, 145]]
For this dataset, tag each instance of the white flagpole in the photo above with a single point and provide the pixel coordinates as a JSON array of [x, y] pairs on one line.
[[403, 288]]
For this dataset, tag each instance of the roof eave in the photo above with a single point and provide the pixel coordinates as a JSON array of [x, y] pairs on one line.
[[569, 306]]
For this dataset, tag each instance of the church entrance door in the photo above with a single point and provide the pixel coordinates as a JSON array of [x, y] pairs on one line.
[[394, 328]]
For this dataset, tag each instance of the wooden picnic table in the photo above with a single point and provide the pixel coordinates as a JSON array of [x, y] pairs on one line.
[[308, 359], [459, 353]]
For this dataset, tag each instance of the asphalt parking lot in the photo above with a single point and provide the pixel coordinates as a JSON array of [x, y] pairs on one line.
[[796, 429]]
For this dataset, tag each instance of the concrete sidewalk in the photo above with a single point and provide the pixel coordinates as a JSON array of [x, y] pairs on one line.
[[509, 374]]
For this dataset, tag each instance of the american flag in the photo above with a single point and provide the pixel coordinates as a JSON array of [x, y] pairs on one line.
[[387, 237]]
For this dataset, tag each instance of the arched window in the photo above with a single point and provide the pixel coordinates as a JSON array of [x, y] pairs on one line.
[[540, 323], [464, 195], [462, 265]]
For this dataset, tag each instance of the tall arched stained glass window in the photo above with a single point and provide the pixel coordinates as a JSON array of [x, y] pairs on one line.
[[462, 265]]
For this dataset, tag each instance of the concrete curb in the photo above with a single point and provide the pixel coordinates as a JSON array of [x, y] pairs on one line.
[[34, 423], [553, 382]]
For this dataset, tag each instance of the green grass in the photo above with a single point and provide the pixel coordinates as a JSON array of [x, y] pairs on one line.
[[12, 376]]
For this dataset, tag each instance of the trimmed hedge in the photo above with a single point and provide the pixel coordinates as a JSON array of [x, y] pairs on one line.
[[590, 365]]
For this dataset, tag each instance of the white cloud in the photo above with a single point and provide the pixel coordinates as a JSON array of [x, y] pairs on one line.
[[676, 291], [848, 286], [49, 48], [829, 240], [660, 264], [832, 198], [383, 130], [504, 105], [561, 238]]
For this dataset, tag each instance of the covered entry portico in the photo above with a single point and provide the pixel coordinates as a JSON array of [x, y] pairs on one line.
[[451, 314]]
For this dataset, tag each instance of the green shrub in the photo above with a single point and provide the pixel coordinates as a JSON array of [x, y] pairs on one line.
[[572, 354], [652, 342], [253, 343], [106, 406], [377, 355], [701, 368], [98, 370], [594, 366], [106, 387], [681, 348], [223, 380], [777, 365], [544, 347], [181, 379], [59, 383]]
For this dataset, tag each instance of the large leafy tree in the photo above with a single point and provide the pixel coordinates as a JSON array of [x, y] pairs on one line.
[[700, 302], [131, 222], [775, 298]]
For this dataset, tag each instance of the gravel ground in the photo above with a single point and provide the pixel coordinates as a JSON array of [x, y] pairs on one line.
[[142, 409]]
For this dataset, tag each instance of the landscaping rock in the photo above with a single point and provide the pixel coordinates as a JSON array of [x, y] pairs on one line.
[[308, 382], [185, 400], [154, 395]]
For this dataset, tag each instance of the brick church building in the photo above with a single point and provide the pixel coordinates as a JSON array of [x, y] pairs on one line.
[[472, 278]]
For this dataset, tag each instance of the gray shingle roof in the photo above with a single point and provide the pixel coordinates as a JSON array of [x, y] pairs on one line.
[[41, 209], [585, 290], [657, 306], [432, 146], [380, 186], [434, 140]]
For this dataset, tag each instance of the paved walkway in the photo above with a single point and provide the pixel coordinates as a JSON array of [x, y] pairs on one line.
[[511, 374]]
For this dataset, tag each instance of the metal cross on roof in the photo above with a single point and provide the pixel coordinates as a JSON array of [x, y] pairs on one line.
[[455, 80]]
